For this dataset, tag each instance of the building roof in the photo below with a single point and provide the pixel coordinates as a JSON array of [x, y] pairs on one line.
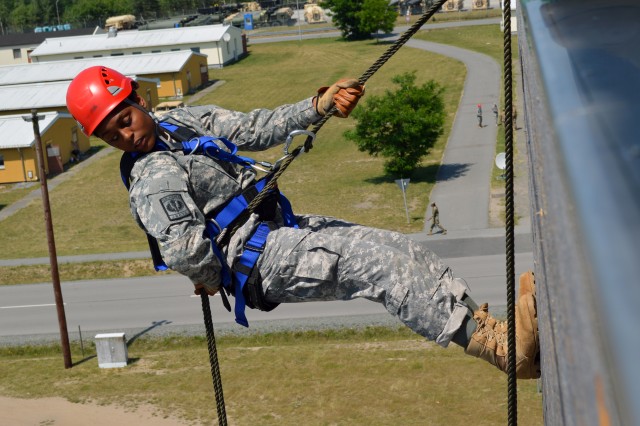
[[34, 39], [22, 131], [39, 96], [132, 39], [145, 64]]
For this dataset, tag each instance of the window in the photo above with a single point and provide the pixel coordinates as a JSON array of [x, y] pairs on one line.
[[136, 53], [117, 54], [17, 54], [195, 49], [1, 162], [175, 50], [97, 56], [78, 57], [155, 51]]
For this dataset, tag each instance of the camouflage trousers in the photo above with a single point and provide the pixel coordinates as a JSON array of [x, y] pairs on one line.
[[330, 259]]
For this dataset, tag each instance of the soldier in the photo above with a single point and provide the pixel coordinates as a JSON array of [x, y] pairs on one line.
[[435, 217], [175, 198]]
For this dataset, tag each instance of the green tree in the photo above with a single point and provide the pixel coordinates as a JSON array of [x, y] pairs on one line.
[[401, 126], [97, 11], [358, 19], [23, 16], [376, 15]]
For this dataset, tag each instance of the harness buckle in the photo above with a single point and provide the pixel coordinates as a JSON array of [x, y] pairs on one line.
[[216, 224]]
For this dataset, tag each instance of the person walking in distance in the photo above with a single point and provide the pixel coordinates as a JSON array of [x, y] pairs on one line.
[[435, 218], [495, 114], [479, 115]]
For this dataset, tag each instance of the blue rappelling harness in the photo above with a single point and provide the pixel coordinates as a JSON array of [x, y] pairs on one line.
[[242, 278]]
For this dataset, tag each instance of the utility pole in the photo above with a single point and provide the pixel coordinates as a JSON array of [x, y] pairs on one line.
[[53, 259]]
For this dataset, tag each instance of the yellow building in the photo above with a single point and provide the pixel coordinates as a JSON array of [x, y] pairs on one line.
[[61, 138]]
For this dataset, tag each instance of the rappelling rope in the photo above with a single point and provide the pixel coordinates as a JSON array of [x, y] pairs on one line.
[[272, 184], [253, 205], [213, 358], [512, 391]]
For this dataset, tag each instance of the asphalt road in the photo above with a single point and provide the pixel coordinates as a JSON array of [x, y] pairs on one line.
[[164, 304]]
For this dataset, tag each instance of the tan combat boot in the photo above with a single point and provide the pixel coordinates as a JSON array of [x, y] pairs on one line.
[[489, 341]]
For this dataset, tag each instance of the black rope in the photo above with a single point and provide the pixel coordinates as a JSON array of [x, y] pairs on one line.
[[213, 358], [272, 184], [512, 391]]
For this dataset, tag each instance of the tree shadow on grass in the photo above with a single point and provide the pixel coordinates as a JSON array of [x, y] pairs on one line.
[[428, 174]]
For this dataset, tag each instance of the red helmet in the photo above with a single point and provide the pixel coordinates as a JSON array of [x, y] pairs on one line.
[[94, 93]]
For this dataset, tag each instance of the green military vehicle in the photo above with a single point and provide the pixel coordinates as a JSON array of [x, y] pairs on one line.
[[272, 17]]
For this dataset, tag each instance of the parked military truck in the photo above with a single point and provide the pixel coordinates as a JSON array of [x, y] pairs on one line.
[[273, 17], [122, 22], [313, 14]]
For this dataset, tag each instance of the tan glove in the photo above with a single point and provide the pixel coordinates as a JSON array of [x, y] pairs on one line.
[[345, 94]]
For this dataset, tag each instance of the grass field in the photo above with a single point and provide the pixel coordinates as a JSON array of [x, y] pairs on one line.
[[375, 376], [346, 377], [90, 211]]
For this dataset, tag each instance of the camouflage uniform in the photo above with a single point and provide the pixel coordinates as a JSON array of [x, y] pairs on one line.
[[325, 259]]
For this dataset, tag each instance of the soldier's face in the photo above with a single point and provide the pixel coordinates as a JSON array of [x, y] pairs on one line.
[[128, 128]]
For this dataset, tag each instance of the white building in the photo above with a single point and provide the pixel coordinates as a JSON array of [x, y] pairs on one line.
[[16, 48], [176, 73], [222, 44]]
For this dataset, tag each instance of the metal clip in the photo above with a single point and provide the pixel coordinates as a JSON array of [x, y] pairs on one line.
[[293, 135]]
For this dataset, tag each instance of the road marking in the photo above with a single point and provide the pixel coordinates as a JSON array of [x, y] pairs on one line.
[[28, 306]]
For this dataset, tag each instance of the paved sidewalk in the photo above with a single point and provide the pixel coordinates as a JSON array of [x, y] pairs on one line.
[[462, 188]]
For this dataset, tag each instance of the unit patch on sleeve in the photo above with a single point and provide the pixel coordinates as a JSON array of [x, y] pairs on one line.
[[175, 207]]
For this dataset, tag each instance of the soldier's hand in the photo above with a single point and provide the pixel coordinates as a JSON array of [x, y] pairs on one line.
[[344, 94], [201, 287]]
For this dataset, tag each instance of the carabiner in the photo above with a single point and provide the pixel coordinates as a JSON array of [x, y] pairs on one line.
[[293, 135]]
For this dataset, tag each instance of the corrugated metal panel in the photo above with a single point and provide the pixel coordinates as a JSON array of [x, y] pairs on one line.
[[17, 133], [131, 39], [153, 63], [38, 96]]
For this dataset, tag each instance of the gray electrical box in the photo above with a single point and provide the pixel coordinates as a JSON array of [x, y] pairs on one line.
[[112, 350]]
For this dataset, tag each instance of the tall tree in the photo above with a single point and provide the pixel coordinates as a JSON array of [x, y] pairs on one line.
[[401, 126], [97, 11], [376, 15], [23, 16], [358, 19]]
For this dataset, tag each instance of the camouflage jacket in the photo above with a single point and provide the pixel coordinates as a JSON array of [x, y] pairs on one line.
[[172, 193]]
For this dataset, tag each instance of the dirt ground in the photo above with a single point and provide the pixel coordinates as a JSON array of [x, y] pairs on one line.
[[60, 412]]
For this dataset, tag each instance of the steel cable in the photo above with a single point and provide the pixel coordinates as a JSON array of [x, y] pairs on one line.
[[512, 391], [272, 184]]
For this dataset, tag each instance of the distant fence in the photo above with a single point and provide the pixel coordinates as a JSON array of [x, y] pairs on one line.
[[580, 62]]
